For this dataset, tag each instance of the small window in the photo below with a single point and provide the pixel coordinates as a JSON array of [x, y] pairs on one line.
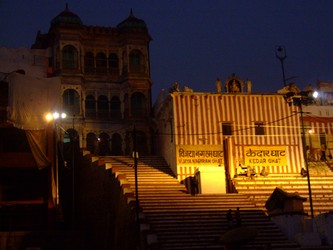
[[90, 106], [90, 102], [103, 107], [101, 63], [226, 128], [71, 102], [115, 108], [138, 105], [113, 61], [259, 128], [69, 57], [136, 62]]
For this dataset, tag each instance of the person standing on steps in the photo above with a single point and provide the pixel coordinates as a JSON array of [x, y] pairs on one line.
[[229, 218], [238, 217], [323, 152]]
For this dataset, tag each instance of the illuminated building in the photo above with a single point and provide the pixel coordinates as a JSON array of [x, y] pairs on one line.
[[105, 89], [225, 129]]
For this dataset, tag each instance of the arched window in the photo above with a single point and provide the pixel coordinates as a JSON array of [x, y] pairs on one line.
[[90, 106], [138, 105], [116, 144], [91, 142], [115, 107], [69, 57], [101, 63], [71, 102], [89, 63], [113, 62], [103, 107], [136, 62], [103, 144]]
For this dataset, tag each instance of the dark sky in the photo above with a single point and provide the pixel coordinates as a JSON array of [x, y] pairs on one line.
[[194, 42]]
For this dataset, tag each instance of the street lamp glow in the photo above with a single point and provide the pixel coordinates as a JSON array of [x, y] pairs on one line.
[[54, 116], [315, 94], [49, 117]]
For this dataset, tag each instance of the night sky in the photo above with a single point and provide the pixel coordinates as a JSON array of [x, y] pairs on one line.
[[194, 42]]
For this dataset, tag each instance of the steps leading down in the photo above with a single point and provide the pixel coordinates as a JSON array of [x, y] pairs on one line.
[[260, 188], [175, 220]]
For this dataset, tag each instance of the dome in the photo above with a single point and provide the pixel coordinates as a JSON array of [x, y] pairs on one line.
[[132, 22], [66, 17]]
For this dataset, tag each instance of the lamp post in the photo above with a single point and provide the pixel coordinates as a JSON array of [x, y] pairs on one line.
[[280, 53], [54, 117], [305, 156], [136, 173], [310, 142], [74, 141], [300, 100], [72, 138], [137, 209]]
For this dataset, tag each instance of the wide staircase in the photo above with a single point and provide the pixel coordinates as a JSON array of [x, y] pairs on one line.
[[172, 219], [321, 183]]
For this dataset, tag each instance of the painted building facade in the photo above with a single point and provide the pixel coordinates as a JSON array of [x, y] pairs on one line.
[[235, 127]]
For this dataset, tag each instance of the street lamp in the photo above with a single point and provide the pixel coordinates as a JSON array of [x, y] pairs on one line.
[[305, 98], [135, 157], [137, 204], [280, 53], [310, 131], [54, 117]]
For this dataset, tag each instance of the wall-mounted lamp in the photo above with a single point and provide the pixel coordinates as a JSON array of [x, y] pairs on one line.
[[54, 116]]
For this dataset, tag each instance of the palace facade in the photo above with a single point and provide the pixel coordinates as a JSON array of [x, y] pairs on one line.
[[105, 81]]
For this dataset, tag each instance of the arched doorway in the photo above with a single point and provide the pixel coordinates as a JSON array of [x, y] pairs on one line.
[[103, 144], [91, 142], [116, 144]]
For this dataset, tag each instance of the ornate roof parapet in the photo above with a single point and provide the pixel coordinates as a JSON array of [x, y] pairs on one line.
[[234, 84]]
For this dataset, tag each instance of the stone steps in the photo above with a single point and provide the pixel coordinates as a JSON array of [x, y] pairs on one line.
[[204, 228], [182, 221], [259, 189]]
